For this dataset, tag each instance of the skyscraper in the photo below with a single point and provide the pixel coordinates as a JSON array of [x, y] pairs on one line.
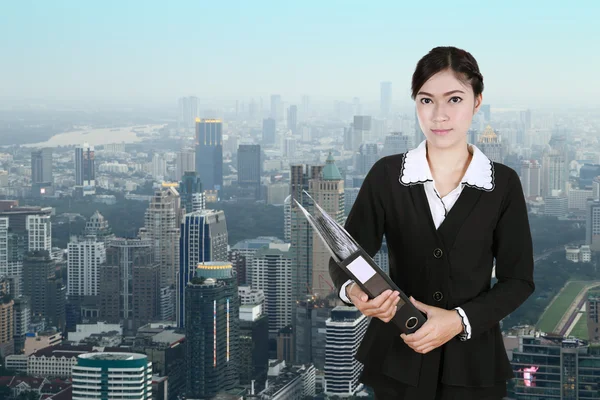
[[554, 169], [38, 270], [42, 178], [250, 168], [98, 226], [83, 262], [7, 319], [396, 143], [188, 111], [385, 102], [361, 130], [592, 225], [253, 346], [85, 173], [129, 284], [268, 131], [203, 238], [186, 162], [367, 156], [211, 330], [100, 376], [191, 193], [531, 178], [292, 122], [491, 145], [162, 223], [209, 152], [328, 191], [345, 330]]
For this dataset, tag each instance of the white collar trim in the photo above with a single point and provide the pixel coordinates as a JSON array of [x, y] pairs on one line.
[[415, 169]]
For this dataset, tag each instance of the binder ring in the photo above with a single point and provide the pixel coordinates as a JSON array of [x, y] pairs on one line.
[[411, 322]]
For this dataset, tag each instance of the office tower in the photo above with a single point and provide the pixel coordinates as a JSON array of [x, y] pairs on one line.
[[98, 226], [188, 111], [253, 346], [211, 330], [129, 284], [249, 247], [158, 167], [367, 156], [419, 136], [592, 308], [587, 173], [385, 101], [396, 143], [85, 173], [84, 258], [525, 118], [350, 195], [592, 225], [328, 191], [268, 131], [486, 111], [209, 153], [531, 178], [38, 269], [361, 130], [301, 233], [287, 218], [100, 376], [7, 319], [203, 238], [249, 168], [186, 162], [191, 193], [491, 145], [555, 166], [345, 330], [311, 318], [285, 345], [22, 319], [56, 295], [272, 273], [292, 121], [161, 227], [276, 107], [41, 165], [238, 263]]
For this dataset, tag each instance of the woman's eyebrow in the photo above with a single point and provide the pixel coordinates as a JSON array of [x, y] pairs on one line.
[[445, 94]]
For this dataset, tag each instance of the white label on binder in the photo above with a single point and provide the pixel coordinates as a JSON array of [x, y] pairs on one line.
[[361, 269]]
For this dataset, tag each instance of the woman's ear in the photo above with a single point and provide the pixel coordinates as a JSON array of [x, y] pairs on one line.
[[478, 102]]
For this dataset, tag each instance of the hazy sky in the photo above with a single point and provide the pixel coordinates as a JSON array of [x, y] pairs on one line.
[[155, 51]]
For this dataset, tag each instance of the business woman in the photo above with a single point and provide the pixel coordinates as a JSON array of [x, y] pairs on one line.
[[447, 212]]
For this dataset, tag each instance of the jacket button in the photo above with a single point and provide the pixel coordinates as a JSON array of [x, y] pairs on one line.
[[438, 296], [437, 253]]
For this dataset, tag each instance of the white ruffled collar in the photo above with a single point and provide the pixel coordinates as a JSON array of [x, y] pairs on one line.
[[415, 169]]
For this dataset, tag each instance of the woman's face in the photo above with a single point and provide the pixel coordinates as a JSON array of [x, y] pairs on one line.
[[445, 108]]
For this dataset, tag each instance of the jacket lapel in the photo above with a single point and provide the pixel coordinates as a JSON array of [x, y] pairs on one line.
[[451, 225]]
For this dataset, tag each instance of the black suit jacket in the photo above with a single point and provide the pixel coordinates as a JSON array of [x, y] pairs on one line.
[[455, 261]]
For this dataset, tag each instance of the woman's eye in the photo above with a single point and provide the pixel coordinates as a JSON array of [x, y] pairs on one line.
[[456, 97], [425, 99]]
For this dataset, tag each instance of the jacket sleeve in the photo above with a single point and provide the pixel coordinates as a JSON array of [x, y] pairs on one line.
[[365, 222], [513, 250]]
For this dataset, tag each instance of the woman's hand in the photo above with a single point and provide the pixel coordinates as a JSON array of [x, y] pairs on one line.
[[382, 306], [441, 326]]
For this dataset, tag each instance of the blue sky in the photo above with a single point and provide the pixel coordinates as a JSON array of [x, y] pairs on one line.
[[530, 53]]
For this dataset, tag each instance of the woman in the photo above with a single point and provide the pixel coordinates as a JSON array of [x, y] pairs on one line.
[[447, 212]]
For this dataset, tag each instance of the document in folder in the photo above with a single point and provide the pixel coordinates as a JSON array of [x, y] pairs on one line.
[[360, 266]]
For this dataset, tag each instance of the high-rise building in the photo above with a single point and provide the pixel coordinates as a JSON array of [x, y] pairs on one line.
[[22, 319], [191, 193], [253, 346], [592, 225], [209, 152], [7, 319], [486, 111], [345, 330], [328, 191], [38, 270], [203, 238], [249, 247], [42, 178], [84, 258], [385, 101], [396, 143], [129, 284], [188, 111], [555, 166], [272, 273], [85, 172], [98, 226], [531, 178], [161, 226], [525, 118], [491, 145], [361, 130], [100, 376], [250, 168], [276, 107], [211, 330], [311, 318], [367, 156], [268, 131], [292, 121], [592, 307], [186, 162]]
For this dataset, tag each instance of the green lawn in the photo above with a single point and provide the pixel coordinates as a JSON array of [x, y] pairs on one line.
[[580, 329], [559, 307]]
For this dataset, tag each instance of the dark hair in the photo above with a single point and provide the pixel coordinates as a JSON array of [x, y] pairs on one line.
[[439, 59]]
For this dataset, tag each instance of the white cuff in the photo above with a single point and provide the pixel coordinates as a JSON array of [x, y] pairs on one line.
[[343, 296], [466, 324]]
